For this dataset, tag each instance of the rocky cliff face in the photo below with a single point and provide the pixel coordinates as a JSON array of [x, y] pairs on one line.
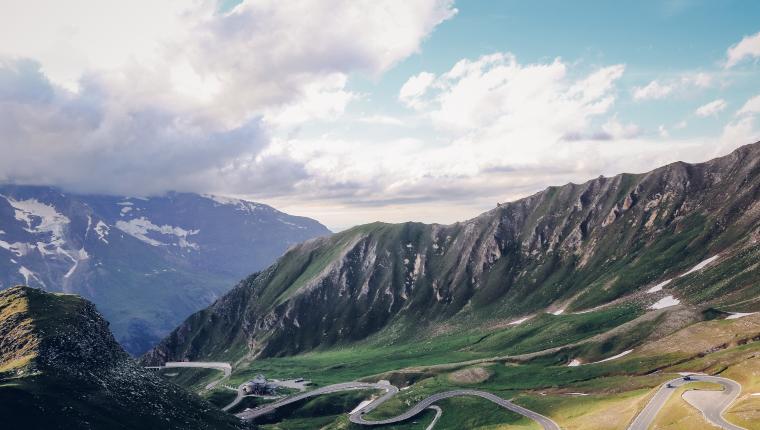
[[146, 263], [566, 248], [60, 367]]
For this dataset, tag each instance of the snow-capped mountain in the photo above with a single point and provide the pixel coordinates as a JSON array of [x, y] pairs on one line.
[[147, 263]]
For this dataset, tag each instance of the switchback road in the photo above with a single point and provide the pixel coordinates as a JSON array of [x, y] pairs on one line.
[[357, 416], [224, 367], [712, 404]]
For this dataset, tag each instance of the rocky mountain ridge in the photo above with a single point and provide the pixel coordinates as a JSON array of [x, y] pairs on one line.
[[146, 262], [61, 368], [564, 249]]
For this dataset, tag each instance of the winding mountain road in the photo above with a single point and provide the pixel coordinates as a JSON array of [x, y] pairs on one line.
[[712, 404], [357, 416], [226, 368]]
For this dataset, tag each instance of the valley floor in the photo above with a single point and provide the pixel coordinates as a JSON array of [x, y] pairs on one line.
[[598, 395]]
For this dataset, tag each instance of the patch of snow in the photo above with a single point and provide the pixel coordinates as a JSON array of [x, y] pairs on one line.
[[102, 230], [614, 357], [18, 248], [737, 315], [701, 265], [50, 221], [406, 261], [291, 223], [81, 256], [559, 312], [409, 245], [89, 224], [520, 321], [360, 406], [239, 204], [28, 274], [2, 232], [574, 363], [125, 210], [659, 286], [140, 227], [125, 204], [14, 261], [665, 302]]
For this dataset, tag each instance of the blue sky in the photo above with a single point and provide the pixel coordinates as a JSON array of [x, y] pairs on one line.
[[352, 111], [654, 39]]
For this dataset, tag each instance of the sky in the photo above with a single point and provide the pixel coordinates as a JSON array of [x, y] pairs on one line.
[[357, 111]]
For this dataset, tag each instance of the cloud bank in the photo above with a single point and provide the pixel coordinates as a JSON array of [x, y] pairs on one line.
[[190, 101]]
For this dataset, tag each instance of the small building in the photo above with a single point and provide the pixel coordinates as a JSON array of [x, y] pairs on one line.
[[259, 386]]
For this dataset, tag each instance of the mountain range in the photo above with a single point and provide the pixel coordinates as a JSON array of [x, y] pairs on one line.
[[147, 263], [630, 239]]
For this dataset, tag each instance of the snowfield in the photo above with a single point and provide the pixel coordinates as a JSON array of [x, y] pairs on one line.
[[241, 205], [665, 302], [701, 265], [139, 228], [659, 286]]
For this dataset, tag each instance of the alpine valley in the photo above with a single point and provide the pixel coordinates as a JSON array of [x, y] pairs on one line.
[[577, 302], [628, 302], [147, 263]]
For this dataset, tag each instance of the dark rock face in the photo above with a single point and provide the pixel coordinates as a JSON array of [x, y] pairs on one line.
[[66, 370], [571, 247], [146, 263]]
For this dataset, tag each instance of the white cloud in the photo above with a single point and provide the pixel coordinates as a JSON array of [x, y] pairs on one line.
[[653, 90], [495, 91], [381, 119], [143, 98], [74, 37], [752, 106], [614, 129], [699, 80], [749, 46], [711, 108], [414, 89], [660, 89]]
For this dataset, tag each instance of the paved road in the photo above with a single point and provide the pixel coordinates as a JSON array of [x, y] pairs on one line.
[[438, 412], [712, 404], [240, 394], [358, 416], [270, 407], [224, 367]]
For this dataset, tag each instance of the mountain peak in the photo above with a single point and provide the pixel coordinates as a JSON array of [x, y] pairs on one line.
[[571, 247], [57, 354]]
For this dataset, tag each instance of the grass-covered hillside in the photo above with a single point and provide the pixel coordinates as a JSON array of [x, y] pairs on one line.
[[616, 246], [60, 368]]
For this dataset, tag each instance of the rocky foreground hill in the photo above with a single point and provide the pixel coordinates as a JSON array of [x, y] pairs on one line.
[[567, 249], [146, 263], [61, 368]]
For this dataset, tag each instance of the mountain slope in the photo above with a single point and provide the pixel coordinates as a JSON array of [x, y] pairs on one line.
[[146, 263], [60, 368], [565, 249]]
